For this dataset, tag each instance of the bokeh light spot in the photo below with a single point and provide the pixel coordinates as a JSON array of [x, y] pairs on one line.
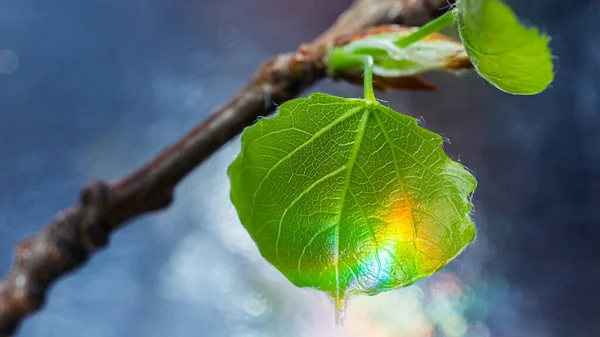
[[478, 329], [454, 325]]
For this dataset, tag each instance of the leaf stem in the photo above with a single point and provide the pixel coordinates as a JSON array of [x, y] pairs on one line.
[[428, 29], [341, 60], [368, 78]]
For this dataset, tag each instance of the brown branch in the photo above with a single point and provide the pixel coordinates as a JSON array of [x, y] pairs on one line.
[[76, 233]]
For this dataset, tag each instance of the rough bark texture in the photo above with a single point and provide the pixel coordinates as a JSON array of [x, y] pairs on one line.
[[69, 239]]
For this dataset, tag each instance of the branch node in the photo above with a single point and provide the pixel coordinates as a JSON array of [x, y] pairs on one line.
[[68, 248], [96, 234], [96, 193]]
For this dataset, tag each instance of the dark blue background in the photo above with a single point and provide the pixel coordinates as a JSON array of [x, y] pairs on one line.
[[101, 86]]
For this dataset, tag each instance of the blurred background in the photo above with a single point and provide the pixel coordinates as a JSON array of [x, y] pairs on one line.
[[92, 89]]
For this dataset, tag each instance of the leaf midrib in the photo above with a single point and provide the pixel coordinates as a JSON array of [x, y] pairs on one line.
[[351, 161]]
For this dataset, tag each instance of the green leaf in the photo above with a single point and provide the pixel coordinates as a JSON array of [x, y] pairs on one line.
[[349, 197], [512, 57], [392, 58]]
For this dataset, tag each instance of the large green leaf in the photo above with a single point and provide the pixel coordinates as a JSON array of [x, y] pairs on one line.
[[348, 196], [512, 57]]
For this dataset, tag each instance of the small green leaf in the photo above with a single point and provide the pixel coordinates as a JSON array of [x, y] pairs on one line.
[[512, 57], [393, 57], [349, 197]]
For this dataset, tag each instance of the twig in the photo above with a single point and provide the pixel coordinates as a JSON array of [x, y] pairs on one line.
[[76, 233]]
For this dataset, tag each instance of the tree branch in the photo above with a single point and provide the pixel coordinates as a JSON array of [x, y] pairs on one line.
[[76, 233]]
